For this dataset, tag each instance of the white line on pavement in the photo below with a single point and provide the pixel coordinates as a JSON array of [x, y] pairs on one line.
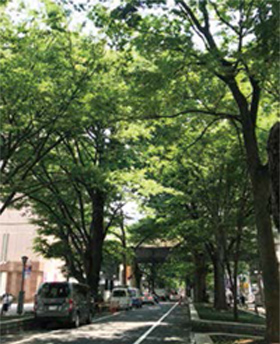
[[38, 336], [105, 317], [145, 335]]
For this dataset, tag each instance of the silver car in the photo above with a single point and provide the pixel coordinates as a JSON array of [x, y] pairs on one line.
[[63, 302]]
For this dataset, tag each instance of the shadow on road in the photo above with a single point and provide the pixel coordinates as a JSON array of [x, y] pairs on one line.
[[124, 328]]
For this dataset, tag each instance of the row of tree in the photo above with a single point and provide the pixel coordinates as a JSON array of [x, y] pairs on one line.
[[142, 111]]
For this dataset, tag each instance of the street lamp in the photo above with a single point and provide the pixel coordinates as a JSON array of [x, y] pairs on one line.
[[21, 292]]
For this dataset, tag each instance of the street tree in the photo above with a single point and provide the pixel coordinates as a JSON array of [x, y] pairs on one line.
[[213, 195], [44, 71], [230, 74]]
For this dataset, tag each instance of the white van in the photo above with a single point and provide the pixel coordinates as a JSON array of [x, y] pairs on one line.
[[121, 298]]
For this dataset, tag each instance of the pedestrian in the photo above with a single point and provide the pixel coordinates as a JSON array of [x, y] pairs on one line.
[[181, 299], [99, 302], [6, 302], [228, 297], [156, 298], [243, 300]]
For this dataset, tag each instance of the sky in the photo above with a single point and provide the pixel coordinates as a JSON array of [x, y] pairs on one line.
[[81, 17]]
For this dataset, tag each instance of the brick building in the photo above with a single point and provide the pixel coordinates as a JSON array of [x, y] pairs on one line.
[[16, 240]]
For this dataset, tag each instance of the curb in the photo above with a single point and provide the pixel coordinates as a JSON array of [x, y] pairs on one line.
[[16, 325], [200, 338], [228, 327]]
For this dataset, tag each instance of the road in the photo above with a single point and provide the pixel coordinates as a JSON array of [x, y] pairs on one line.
[[166, 323]]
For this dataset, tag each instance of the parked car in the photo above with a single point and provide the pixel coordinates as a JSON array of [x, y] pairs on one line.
[[174, 296], [63, 302], [121, 298], [148, 298], [136, 297], [161, 294]]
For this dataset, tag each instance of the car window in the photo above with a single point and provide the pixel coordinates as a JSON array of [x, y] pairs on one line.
[[119, 293], [54, 290]]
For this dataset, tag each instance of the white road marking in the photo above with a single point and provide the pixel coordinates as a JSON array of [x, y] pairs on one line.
[[36, 336], [105, 317], [145, 335]]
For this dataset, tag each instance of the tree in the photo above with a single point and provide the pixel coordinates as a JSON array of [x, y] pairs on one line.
[[80, 179], [42, 79], [214, 201], [274, 169], [231, 75]]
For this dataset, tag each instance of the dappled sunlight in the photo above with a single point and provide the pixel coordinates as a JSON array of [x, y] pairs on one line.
[[94, 333]]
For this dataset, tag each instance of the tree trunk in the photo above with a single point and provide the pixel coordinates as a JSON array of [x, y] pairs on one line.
[[235, 272], [96, 242], [124, 259], [219, 281], [273, 146], [200, 274], [153, 276], [261, 192], [136, 275], [236, 257], [219, 272], [268, 257]]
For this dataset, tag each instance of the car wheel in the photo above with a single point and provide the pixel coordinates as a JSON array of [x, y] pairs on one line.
[[89, 318], [76, 320]]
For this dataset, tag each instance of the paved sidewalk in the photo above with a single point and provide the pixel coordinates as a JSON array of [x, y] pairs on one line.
[[27, 309], [251, 309]]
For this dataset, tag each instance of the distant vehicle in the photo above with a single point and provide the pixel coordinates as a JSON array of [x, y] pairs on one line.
[[161, 294], [174, 296], [63, 302], [136, 297], [148, 298], [121, 297]]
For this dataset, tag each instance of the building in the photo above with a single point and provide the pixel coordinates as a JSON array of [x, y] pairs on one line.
[[16, 240]]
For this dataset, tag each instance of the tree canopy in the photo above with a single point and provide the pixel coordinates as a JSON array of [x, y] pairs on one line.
[[166, 104]]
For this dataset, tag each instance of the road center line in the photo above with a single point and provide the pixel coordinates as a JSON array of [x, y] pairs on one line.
[[145, 335]]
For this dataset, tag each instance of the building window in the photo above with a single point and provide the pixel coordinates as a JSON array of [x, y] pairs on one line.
[[4, 251]]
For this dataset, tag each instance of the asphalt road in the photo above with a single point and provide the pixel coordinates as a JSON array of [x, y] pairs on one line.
[[166, 323]]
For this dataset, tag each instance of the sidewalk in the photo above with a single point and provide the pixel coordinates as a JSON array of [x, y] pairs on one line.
[[11, 316], [27, 309], [251, 309]]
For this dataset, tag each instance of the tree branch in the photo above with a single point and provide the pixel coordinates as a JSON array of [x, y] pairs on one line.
[[204, 112]]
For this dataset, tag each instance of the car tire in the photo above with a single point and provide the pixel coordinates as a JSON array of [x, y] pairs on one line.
[[89, 318], [76, 321]]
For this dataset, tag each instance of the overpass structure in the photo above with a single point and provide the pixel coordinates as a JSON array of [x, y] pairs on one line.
[[152, 254]]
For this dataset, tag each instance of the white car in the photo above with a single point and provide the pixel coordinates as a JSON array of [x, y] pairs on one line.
[[161, 294], [174, 296], [121, 299]]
